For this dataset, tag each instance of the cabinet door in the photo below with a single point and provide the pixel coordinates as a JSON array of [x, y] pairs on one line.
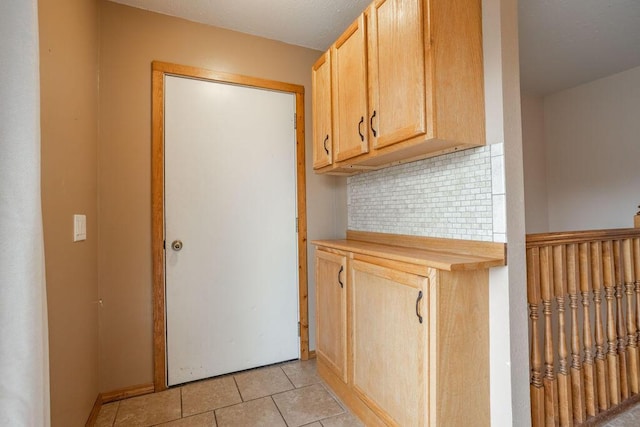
[[389, 342], [349, 92], [331, 311], [396, 71], [321, 94]]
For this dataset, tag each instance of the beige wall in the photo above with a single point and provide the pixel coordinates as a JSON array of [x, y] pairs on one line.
[[130, 40], [69, 120]]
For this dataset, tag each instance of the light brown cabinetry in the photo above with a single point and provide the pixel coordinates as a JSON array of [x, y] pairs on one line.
[[321, 98], [331, 311], [424, 90], [397, 71], [389, 342], [417, 326], [349, 92]]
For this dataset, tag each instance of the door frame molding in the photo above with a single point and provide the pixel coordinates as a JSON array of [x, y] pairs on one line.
[[159, 71]]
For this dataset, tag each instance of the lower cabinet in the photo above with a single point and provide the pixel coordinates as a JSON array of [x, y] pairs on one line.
[[403, 344], [331, 311], [389, 342]]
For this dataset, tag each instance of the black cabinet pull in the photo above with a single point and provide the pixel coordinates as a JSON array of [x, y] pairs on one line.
[[339, 273], [418, 306], [371, 123], [360, 128], [325, 144]]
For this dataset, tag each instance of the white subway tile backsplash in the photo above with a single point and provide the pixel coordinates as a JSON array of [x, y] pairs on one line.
[[449, 196]]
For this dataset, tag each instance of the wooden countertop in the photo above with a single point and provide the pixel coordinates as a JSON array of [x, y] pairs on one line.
[[442, 254]]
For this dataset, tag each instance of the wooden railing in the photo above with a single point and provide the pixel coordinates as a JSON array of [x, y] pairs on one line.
[[583, 291]]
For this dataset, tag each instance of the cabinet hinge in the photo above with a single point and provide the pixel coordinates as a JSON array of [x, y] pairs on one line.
[[298, 328]]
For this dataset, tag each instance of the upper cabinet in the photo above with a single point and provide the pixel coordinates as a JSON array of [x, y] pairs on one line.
[[422, 85], [397, 71], [321, 98], [349, 92]]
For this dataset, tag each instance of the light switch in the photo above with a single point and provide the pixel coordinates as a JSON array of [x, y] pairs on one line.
[[79, 228]]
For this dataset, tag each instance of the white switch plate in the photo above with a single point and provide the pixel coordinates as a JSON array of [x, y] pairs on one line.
[[79, 228]]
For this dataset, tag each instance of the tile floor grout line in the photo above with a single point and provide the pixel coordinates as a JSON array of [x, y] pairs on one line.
[[288, 379], [293, 389], [279, 411], [115, 417], [334, 396], [237, 388]]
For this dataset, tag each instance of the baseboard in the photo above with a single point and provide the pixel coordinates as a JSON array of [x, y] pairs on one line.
[[312, 354], [93, 416], [112, 396], [124, 393]]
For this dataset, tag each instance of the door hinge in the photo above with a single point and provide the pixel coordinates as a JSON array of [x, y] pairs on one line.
[[164, 244], [295, 121], [297, 224], [298, 328]]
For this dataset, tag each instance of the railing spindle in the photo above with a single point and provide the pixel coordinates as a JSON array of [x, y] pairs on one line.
[[627, 255], [621, 327], [588, 366], [550, 385], [536, 387], [636, 270], [577, 386], [564, 381], [601, 371], [612, 338]]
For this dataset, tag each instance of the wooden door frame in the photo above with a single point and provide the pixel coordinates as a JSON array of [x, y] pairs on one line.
[[159, 71]]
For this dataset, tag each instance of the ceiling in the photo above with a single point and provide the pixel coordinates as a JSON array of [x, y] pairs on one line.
[[563, 43]]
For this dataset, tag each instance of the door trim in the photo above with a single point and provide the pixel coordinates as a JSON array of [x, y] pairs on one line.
[[159, 71]]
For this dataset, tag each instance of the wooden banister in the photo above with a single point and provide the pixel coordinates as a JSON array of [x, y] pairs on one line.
[[583, 295], [589, 368], [601, 372], [632, 338], [533, 298], [577, 387]]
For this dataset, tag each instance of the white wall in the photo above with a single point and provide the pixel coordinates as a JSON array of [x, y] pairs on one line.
[[535, 164], [592, 135], [24, 367], [508, 310]]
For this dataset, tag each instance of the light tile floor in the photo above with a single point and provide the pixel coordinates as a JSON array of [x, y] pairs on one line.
[[289, 395]]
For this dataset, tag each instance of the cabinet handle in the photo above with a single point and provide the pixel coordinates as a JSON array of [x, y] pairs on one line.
[[339, 273], [418, 306], [360, 128], [371, 123], [325, 144]]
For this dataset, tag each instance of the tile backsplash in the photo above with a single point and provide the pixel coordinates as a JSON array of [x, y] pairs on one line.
[[458, 195]]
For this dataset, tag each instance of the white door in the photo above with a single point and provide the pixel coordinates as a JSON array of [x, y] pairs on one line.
[[230, 199]]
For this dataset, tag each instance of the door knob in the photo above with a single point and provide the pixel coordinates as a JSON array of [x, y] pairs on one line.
[[176, 245]]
